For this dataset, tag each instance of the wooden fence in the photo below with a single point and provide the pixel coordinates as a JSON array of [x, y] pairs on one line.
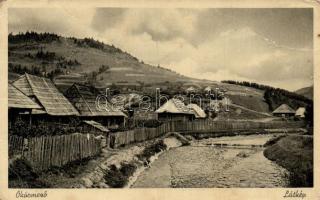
[[138, 135], [15, 145], [47, 151]]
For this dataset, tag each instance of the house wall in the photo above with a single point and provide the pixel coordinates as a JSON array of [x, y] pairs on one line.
[[174, 117]]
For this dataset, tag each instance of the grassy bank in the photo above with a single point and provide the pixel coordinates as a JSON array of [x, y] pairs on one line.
[[23, 175], [118, 177], [295, 153]]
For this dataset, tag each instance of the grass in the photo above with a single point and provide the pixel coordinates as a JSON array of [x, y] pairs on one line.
[[250, 101], [22, 175], [273, 140], [295, 153]]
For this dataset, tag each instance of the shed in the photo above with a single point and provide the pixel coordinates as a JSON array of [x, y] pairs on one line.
[[198, 112], [174, 110], [300, 112], [97, 129], [284, 111], [84, 99]]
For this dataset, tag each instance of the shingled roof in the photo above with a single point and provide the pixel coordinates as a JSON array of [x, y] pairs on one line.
[[16, 99], [284, 109], [46, 93], [174, 106], [84, 98]]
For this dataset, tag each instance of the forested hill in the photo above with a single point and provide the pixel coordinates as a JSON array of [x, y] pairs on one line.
[[68, 60], [307, 92]]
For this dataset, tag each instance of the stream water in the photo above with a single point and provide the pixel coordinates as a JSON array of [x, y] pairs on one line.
[[202, 165]]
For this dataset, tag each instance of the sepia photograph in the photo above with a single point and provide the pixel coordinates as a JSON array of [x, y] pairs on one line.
[[124, 97]]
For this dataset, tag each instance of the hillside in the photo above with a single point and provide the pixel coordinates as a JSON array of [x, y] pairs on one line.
[[307, 92], [70, 60]]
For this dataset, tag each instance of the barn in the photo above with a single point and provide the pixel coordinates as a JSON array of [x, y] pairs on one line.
[[84, 99], [174, 110]]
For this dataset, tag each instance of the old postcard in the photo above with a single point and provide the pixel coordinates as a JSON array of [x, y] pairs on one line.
[[161, 100]]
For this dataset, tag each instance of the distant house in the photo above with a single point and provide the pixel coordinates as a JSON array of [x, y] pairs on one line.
[[190, 89], [174, 110], [198, 112], [284, 111], [84, 99], [55, 106], [207, 89], [19, 103], [300, 112]]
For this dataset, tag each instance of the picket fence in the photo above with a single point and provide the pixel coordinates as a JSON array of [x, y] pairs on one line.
[[138, 135], [48, 151]]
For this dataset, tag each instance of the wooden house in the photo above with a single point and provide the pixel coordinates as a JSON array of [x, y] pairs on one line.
[[174, 110], [18, 104], [84, 99], [284, 111], [54, 106]]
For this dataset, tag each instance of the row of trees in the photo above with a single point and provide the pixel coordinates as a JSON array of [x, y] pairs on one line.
[[33, 36], [271, 90], [19, 69]]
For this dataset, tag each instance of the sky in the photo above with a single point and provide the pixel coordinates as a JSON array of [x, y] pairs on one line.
[[264, 45]]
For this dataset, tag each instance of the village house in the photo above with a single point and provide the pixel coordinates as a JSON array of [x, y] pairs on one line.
[[300, 112], [54, 106], [284, 111], [207, 89], [84, 99], [18, 104], [175, 110], [190, 89], [198, 112]]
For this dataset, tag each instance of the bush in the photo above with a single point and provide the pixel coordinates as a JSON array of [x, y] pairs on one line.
[[152, 150], [118, 178]]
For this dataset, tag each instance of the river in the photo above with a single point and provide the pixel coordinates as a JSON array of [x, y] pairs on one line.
[[201, 165]]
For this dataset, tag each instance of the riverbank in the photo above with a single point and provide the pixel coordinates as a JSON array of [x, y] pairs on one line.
[[295, 153]]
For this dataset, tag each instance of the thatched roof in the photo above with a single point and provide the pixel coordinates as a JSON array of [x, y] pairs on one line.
[[174, 106], [97, 125], [284, 109], [84, 98], [16, 99], [198, 112], [46, 93]]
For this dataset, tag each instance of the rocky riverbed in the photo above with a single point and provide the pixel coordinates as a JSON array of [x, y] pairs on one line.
[[203, 165]]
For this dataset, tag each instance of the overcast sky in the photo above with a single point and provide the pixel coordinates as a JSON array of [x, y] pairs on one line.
[[269, 46]]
